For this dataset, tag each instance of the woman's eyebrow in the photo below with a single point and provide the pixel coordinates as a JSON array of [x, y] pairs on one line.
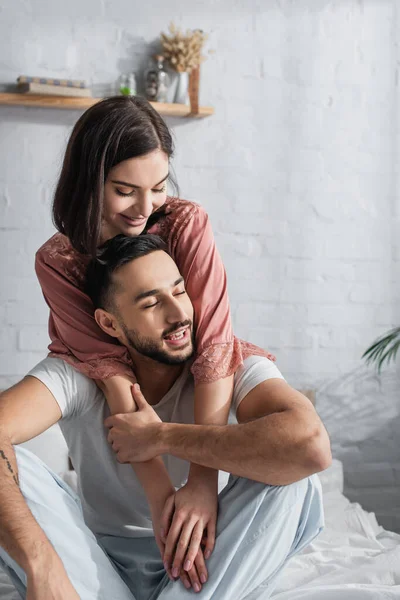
[[132, 185]]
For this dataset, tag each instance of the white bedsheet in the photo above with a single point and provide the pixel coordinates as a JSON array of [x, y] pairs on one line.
[[353, 558]]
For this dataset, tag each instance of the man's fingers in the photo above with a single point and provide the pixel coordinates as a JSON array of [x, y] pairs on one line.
[[194, 579], [111, 421], [166, 517], [185, 579], [210, 541], [182, 546], [138, 397], [194, 545], [198, 573], [201, 568], [112, 442]]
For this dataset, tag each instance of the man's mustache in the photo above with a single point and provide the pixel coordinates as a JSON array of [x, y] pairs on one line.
[[177, 326]]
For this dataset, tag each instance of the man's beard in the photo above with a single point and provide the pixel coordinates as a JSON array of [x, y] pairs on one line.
[[149, 347]]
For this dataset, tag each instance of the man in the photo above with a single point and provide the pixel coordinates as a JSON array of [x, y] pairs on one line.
[[102, 545]]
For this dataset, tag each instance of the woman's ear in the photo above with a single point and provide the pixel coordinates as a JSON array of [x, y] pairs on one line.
[[107, 322]]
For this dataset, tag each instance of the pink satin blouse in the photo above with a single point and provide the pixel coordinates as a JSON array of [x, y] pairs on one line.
[[75, 335]]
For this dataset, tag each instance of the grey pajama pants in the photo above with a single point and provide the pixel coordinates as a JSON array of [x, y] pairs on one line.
[[259, 528]]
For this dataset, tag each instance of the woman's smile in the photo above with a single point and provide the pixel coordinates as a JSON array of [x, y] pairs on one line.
[[134, 222]]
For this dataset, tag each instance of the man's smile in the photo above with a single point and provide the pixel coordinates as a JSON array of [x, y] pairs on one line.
[[178, 337]]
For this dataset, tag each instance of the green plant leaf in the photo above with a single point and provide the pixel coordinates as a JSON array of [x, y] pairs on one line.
[[384, 349]]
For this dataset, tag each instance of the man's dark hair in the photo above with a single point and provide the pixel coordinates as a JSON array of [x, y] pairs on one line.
[[108, 133], [112, 255]]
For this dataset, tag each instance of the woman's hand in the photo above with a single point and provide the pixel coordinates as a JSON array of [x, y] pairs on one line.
[[191, 578], [189, 518]]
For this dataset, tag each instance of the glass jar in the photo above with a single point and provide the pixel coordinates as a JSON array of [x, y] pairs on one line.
[[162, 79], [157, 80], [127, 84]]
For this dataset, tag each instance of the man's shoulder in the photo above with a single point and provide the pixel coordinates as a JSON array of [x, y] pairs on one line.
[[67, 385], [259, 364], [253, 371]]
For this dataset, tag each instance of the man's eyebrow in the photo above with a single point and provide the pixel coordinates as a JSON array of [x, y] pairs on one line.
[[132, 185], [154, 292]]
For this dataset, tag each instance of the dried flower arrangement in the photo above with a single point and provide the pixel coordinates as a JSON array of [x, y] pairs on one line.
[[183, 50]]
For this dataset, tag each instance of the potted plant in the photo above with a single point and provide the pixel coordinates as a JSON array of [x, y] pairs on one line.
[[184, 54]]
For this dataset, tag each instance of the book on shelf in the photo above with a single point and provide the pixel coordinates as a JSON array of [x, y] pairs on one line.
[[54, 90], [73, 83]]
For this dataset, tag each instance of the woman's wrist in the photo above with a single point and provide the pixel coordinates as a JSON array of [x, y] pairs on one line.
[[118, 392], [158, 499], [155, 480]]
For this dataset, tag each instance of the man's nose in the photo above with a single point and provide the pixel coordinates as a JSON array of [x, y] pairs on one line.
[[176, 311]]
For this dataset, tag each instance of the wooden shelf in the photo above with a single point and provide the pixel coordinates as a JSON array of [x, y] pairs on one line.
[[42, 101]]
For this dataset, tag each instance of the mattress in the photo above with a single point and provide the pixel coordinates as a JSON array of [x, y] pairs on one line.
[[352, 559]]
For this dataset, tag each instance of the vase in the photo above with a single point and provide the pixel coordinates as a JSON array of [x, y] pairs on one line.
[[182, 88]]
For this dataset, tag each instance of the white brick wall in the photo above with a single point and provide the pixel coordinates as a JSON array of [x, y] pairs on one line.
[[298, 170]]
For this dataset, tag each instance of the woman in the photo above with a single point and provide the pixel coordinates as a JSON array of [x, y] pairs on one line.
[[114, 180]]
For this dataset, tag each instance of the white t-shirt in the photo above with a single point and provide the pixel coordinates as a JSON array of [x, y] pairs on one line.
[[113, 500]]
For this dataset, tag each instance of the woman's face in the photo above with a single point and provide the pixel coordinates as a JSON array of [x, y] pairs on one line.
[[133, 190]]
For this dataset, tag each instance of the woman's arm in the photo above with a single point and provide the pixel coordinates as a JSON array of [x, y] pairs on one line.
[[77, 339], [74, 333], [193, 248], [199, 262]]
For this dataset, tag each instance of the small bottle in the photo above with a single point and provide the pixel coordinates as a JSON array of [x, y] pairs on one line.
[[157, 80], [151, 82], [162, 79], [127, 84]]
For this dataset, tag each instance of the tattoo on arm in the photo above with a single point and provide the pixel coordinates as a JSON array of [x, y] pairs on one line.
[[4, 457]]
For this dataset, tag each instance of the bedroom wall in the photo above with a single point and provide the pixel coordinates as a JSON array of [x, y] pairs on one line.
[[297, 168]]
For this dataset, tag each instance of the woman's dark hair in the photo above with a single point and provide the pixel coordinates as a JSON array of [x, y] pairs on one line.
[[112, 255], [108, 133]]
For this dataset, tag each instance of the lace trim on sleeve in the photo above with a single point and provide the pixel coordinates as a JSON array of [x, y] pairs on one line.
[[222, 360], [103, 368]]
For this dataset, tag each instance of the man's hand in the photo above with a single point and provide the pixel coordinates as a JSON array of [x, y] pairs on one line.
[[189, 516], [134, 436], [193, 578], [50, 582]]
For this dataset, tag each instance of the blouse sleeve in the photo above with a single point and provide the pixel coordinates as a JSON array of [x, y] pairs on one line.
[[74, 333], [218, 354]]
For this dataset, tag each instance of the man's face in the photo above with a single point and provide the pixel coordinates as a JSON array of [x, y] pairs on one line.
[[153, 310]]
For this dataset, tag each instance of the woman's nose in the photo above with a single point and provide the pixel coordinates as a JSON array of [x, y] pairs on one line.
[[146, 205]]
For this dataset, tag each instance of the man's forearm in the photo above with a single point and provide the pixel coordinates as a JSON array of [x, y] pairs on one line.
[[265, 450], [20, 534]]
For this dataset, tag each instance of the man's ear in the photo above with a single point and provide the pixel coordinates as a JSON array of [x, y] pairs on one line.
[[107, 322]]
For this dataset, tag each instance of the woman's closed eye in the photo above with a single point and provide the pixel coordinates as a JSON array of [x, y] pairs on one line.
[[133, 192], [120, 193]]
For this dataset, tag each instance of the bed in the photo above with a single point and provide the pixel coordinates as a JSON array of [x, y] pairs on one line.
[[353, 558]]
